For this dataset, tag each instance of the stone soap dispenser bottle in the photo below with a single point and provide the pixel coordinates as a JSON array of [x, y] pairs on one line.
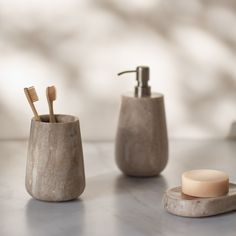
[[141, 147]]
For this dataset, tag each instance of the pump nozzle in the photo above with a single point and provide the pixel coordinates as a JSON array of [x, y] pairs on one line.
[[142, 76], [127, 71]]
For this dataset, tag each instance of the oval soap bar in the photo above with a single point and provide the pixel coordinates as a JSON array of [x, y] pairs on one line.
[[205, 183]]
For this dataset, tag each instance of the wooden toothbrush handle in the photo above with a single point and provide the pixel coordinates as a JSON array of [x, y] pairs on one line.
[[52, 117]]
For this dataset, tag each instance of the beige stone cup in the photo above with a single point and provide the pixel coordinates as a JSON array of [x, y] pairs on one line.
[[55, 166]]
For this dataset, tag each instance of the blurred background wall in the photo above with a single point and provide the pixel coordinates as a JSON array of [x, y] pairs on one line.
[[80, 45]]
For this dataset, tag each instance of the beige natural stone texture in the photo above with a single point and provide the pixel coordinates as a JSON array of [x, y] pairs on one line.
[[55, 168], [180, 204], [141, 142]]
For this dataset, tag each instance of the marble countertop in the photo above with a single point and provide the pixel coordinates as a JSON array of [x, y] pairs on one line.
[[112, 204]]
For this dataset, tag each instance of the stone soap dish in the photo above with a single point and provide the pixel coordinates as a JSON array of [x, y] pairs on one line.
[[180, 204]]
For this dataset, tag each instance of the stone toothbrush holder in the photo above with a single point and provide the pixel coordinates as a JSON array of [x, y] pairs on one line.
[[55, 166]]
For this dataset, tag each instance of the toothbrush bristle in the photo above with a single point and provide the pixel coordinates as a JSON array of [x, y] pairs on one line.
[[32, 93], [52, 94]]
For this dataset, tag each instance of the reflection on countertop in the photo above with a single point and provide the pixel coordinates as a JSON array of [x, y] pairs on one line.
[[112, 204]]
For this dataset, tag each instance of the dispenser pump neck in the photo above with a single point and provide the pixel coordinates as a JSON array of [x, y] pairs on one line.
[[142, 89]]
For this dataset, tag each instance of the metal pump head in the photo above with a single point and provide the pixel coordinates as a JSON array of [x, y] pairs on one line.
[[142, 76]]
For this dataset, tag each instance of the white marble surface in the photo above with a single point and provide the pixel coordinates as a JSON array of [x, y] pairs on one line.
[[112, 204]]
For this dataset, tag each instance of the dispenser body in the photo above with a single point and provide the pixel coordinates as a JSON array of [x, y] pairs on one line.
[[141, 147]]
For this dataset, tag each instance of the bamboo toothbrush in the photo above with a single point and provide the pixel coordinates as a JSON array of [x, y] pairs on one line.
[[32, 97], [51, 97]]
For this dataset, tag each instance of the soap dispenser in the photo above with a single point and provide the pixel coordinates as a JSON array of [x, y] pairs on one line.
[[141, 146]]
